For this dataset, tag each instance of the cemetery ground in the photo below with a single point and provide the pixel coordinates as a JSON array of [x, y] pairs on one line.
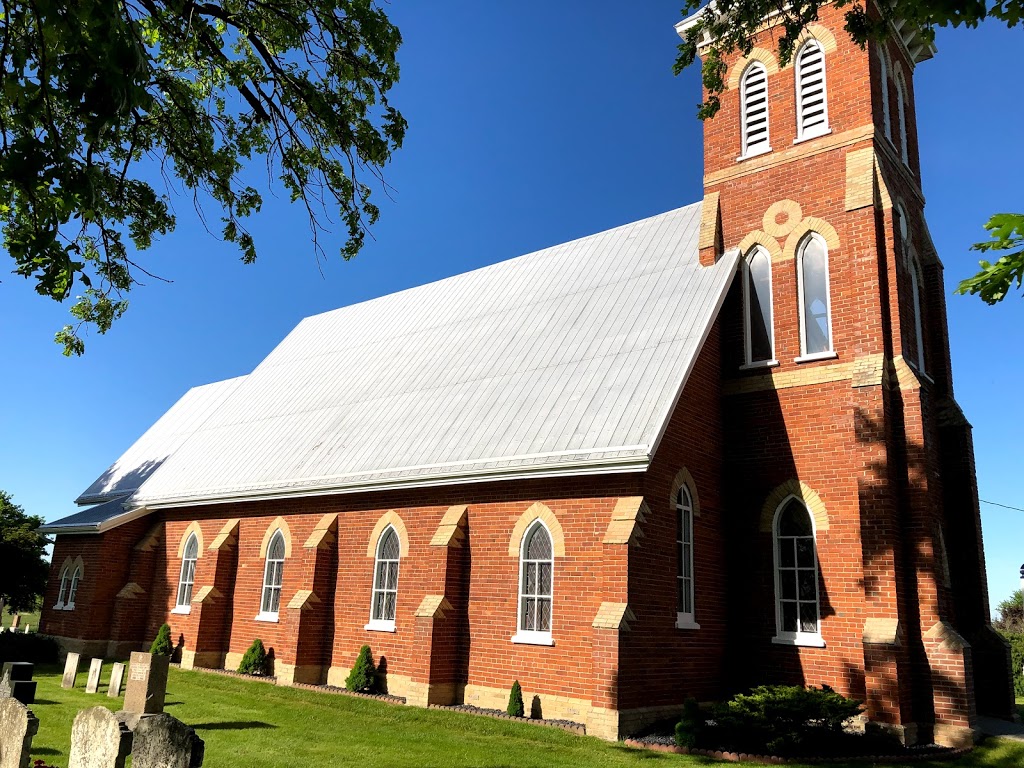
[[250, 724], [26, 618]]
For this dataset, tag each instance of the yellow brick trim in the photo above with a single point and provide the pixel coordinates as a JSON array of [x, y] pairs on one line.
[[801, 377], [771, 65], [131, 589], [278, 525], [947, 637], [389, 518], [800, 490], [148, 542], [450, 531], [303, 600], [613, 616], [322, 535], [805, 227], [192, 528], [433, 607], [227, 536], [710, 215], [624, 527], [904, 375], [757, 237], [537, 511], [817, 32], [207, 594], [683, 477], [860, 178], [791, 214], [881, 632], [868, 371]]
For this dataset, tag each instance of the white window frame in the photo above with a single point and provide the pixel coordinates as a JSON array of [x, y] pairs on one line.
[[831, 351], [749, 362], [532, 636], [685, 507], [380, 624], [76, 579], [913, 267], [265, 615], [886, 110], [819, 130], [187, 576], [806, 639], [901, 107], [745, 151], [64, 582]]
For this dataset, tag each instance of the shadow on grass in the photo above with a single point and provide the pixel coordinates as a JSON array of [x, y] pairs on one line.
[[43, 702], [45, 751], [244, 725]]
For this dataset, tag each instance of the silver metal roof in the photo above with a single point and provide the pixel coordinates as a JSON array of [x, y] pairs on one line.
[[97, 519], [568, 360]]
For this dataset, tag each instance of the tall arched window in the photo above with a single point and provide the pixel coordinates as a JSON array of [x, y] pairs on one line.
[[883, 60], [815, 300], [754, 109], [811, 97], [536, 566], [385, 581], [684, 543], [914, 352], [65, 580], [187, 576], [76, 579], [901, 113], [272, 578], [798, 618], [757, 301]]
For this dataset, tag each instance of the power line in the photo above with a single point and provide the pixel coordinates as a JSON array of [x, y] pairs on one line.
[[1004, 506]]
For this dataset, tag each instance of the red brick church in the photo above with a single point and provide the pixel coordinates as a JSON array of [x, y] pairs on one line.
[[709, 449]]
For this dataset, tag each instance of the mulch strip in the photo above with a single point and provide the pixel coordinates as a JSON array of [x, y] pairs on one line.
[[910, 756], [497, 714]]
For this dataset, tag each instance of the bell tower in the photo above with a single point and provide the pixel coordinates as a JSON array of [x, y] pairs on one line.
[[837, 388]]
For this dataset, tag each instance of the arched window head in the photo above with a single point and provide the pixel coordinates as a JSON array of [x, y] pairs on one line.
[[814, 296], [536, 566], [76, 579], [273, 576], [685, 616], [883, 59], [811, 96], [65, 582], [385, 581], [757, 302], [798, 618], [901, 114], [754, 109], [187, 576]]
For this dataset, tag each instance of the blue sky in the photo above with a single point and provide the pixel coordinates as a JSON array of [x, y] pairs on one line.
[[530, 124]]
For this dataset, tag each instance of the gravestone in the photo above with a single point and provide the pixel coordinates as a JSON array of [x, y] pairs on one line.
[[23, 691], [70, 670], [17, 727], [18, 670], [27, 628], [95, 670], [15, 621], [116, 679], [163, 741], [98, 740], [147, 683]]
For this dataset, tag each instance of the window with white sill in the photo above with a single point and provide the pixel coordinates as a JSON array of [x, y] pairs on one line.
[[685, 616], [754, 110], [757, 302], [798, 616], [811, 95], [385, 581], [536, 572], [187, 575], [273, 577], [814, 297]]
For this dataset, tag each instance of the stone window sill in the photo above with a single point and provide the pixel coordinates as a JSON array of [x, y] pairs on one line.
[[686, 621], [756, 153], [380, 626], [183, 610], [803, 640], [269, 617], [533, 638], [812, 136], [759, 364], [829, 355]]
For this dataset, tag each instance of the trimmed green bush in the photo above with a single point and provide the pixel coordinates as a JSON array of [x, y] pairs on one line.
[[162, 645], [254, 662], [1016, 642], [691, 725], [516, 708], [363, 677], [31, 647]]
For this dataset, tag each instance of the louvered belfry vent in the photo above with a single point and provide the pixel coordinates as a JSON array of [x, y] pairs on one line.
[[754, 94], [812, 105]]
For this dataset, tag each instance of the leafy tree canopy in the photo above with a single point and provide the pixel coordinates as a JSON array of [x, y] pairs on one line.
[[23, 567], [728, 26], [1011, 614], [102, 99]]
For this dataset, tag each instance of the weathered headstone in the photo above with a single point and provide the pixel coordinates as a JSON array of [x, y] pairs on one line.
[[116, 679], [70, 670], [147, 683], [15, 621], [27, 628], [95, 670], [163, 741], [98, 740], [17, 727]]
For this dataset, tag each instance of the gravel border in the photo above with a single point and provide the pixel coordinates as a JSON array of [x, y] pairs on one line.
[[387, 698], [497, 714], [908, 757], [230, 673]]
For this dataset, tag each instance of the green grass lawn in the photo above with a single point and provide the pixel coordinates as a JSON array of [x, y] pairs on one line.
[[255, 725], [26, 618]]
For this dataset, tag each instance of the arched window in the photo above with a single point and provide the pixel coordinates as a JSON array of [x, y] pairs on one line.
[[76, 579], [385, 581], [684, 543], [796, 575], [757, 301], [811, 97], [916, 279], [536, 563], [901, 113], [188, 573], [65, 575], [913, 348], [883, 59], [272, 578], [754, 109], [815, 301]]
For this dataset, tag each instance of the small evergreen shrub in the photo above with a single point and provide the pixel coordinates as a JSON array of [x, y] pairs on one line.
[[690, 727], [1016, 642], [516, 708], [162, 645], [254, 661], [363, 677]]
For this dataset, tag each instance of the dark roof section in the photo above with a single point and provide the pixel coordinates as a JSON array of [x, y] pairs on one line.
[[92, 520]]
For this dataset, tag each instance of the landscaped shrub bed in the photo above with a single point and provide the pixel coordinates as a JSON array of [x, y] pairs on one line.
[[31, 647]]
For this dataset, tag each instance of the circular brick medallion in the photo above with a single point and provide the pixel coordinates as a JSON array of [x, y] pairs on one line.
[[782, 218]]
